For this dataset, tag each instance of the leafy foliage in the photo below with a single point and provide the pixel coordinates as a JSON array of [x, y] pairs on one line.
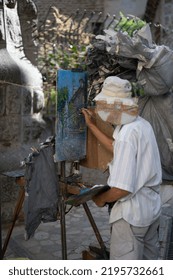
[[62, 46], [129, 24]]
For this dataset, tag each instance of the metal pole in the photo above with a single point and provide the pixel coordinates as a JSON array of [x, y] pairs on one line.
[[62, 214], [96, 231]]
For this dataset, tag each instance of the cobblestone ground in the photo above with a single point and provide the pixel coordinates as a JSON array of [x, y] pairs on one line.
[[46, 243]]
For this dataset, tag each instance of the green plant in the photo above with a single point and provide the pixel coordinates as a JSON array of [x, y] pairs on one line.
[[67, 57], [129, 24], [62, 45]]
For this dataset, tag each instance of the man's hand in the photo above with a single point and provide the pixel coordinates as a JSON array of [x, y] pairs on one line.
[[112, 195], [90, 119], [98, 201], [89, 116]]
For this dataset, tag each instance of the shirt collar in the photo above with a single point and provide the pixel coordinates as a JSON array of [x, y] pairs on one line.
[[116, 131]]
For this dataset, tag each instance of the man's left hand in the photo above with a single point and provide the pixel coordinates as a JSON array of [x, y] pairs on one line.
[[98, 201]]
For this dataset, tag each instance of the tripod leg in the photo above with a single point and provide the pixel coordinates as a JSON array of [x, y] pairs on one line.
[[63, 229], [96, 231], [15, 216], [62, 214]]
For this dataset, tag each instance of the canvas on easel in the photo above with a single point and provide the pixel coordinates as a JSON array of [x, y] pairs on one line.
[[70, 141]]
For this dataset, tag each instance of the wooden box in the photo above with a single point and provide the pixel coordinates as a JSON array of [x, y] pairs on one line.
[[97, 156]]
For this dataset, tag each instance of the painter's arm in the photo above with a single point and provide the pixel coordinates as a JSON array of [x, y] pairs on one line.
[[113, 194]]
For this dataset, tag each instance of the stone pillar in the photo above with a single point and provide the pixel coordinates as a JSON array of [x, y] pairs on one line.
[[21, 101], [27, 12], [21, 94]]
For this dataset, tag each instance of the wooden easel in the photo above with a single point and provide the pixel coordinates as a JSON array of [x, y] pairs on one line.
[[21, 183], [65, 189], [68, 189]]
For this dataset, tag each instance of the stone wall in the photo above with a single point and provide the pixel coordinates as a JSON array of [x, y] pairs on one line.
[[21, 94], [167, 21], [27, 12], [168, 11], [67, 7], [21, 102], [133, 7], [9, 196]]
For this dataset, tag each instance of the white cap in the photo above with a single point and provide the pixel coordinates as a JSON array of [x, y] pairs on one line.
[[116, 89]]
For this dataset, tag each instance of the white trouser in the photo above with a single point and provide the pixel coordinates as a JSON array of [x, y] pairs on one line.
[[134, 243]]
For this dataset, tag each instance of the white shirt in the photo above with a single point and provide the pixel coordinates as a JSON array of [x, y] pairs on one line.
[[136, 168]]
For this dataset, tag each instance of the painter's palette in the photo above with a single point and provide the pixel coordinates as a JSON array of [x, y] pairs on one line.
[[86, 194]]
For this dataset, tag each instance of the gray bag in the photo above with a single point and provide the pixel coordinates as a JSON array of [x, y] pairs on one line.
[[156, 76], [154, 63], [158, 110]]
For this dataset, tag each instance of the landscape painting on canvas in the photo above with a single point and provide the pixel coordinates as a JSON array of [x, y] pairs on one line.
[[70, 123]]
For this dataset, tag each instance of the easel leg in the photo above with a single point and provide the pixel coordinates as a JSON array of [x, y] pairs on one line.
[[63, 229], [62, 216], [15, 216], [96, 231]]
